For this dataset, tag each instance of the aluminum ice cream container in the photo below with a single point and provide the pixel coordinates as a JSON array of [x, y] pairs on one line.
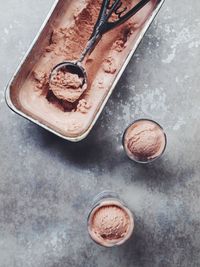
[[17, 85]]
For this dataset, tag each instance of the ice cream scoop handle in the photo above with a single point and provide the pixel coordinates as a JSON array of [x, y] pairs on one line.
[[96, 34], [90, 46], [102, 25], [110, 25]]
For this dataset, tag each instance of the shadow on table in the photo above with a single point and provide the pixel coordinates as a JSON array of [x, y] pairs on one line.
[[144, 249], [165, 173], [107, 154]]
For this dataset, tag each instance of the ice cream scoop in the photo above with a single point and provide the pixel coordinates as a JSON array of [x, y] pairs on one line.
[[67, 86], [103, 25], [144, 141], [110, 222]]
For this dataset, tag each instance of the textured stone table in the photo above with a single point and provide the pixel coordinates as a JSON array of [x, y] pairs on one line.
[[46, 184]]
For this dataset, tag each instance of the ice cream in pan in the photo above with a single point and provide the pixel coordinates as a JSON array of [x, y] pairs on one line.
[[67, 74], [70, 111]]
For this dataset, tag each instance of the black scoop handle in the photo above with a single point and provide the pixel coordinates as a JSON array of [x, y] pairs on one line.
[[111, 25], [103, 25]]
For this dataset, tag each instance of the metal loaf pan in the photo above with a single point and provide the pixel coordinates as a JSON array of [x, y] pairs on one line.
[[32, 56]]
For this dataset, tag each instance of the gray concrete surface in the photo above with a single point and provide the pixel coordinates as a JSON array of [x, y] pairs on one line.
[[46, 184]]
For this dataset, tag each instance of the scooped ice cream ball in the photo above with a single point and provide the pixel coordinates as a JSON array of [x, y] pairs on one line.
[[110, 224], [144, 141]]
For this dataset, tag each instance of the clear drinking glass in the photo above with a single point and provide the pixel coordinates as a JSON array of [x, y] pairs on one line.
[[146, 142], [109, 199]]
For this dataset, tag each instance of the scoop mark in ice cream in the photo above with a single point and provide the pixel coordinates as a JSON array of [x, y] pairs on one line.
[[109, 65], [41, 78], [121, 43], [144, 140], [83, 106], [67, 86]]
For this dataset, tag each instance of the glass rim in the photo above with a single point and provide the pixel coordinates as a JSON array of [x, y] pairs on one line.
[[116, 201], [150, 120]]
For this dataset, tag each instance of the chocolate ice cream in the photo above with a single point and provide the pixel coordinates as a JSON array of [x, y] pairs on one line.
[[67, 86], [110, 224], [71, 111], [144, 141]]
